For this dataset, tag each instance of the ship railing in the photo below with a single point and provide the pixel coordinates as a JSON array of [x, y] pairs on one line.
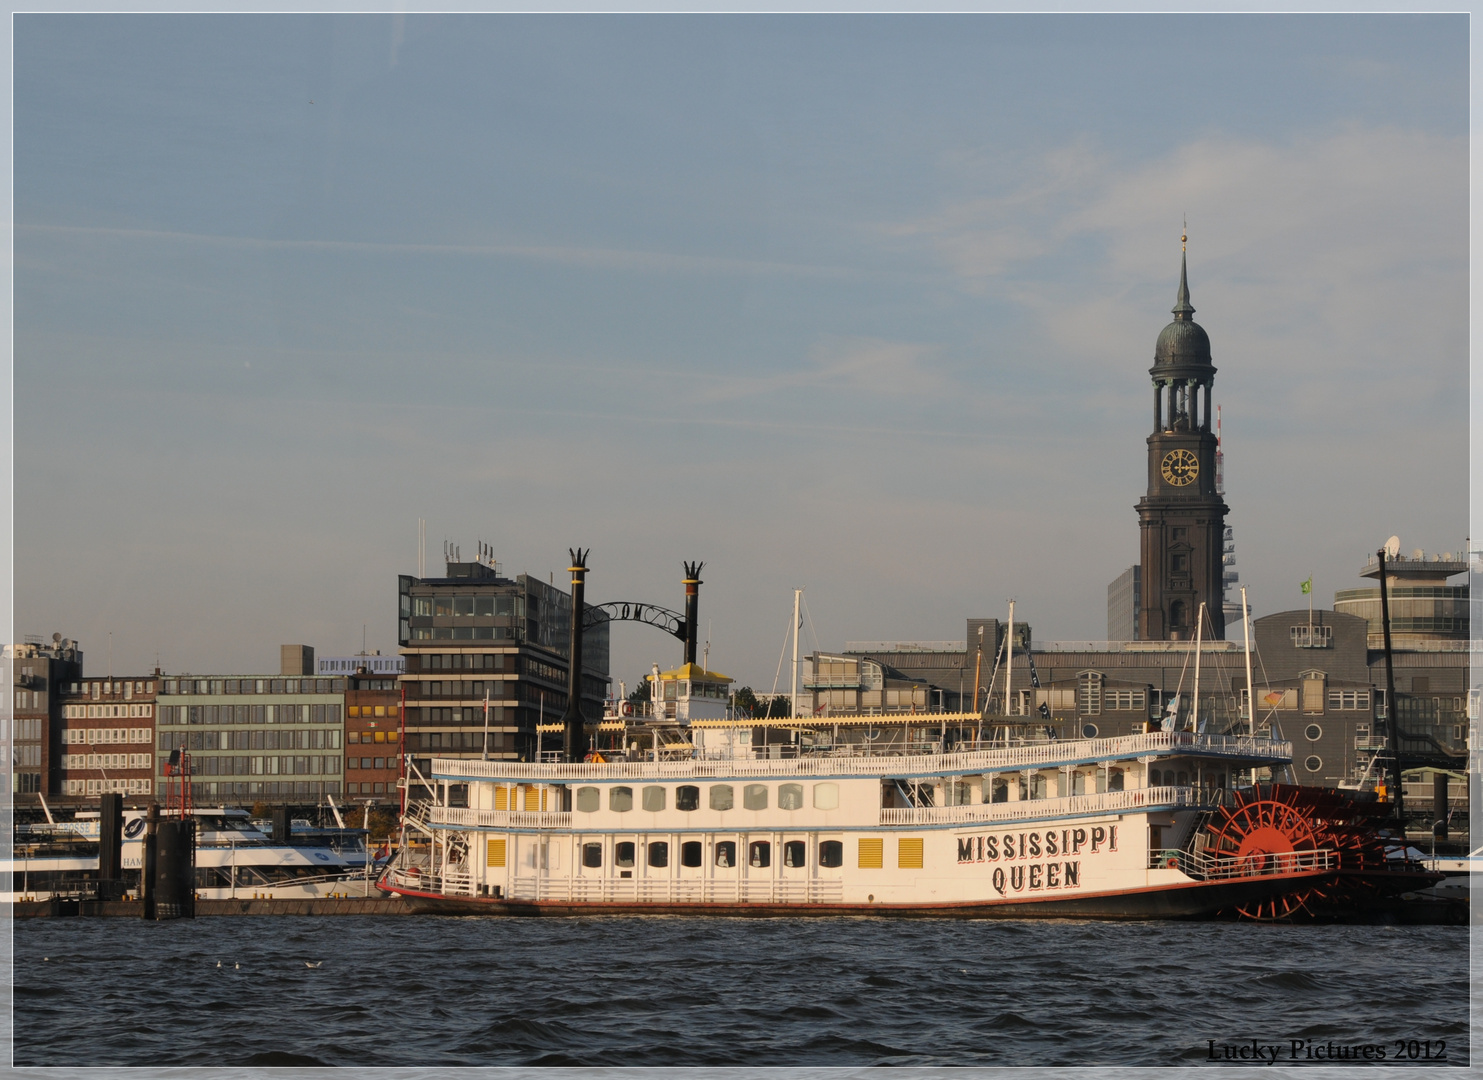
[[1204, 867], [1109, 802], [503, 819], [1041, 755], [679, 890]]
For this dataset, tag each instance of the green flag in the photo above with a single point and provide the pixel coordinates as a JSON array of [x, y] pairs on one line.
[[1306, 586]]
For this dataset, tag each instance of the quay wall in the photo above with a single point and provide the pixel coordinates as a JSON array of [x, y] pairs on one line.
[[353, 905]]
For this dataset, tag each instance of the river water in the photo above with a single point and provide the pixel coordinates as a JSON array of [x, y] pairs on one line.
[[637, 991]]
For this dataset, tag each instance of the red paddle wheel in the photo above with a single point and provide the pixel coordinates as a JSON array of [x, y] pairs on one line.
[[1274, 818]]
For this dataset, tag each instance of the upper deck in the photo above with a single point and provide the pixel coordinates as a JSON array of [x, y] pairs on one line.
[[1241, 751]]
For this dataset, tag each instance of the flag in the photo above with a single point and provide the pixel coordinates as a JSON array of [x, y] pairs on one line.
[[1306, 586]]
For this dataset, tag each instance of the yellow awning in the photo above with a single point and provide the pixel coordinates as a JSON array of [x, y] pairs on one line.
[[693, 672]]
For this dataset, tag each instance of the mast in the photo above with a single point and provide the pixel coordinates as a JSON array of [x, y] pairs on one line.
[[978, 664], [1009, 662], [1250, 692], [574, 724], [793, 699], [1199, 630], [1392, 733]]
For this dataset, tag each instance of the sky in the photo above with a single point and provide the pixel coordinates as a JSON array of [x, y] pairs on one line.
[[858, 304]]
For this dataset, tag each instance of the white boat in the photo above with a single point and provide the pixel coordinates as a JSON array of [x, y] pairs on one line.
[[233, 860]]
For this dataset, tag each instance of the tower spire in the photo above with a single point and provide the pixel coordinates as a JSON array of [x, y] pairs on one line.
[[1182, 308]]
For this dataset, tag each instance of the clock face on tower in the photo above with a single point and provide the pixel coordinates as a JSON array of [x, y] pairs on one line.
[[1181, 468]]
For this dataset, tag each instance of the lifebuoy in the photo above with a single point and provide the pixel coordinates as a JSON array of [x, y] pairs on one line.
[[627, 708], [1171, 862]]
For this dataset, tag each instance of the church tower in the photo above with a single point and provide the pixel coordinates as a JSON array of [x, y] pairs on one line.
[[1181, 520]]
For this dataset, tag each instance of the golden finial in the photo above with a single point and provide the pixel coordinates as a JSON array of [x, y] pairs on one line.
[[1184, 233]]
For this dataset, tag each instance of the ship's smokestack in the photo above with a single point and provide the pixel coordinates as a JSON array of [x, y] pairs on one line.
[[692, 608], [574, 735]]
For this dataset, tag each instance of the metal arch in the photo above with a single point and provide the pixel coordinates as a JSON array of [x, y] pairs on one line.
[[671, 622]]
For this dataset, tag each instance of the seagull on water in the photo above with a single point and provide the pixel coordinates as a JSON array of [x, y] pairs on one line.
[[316, 964], [236, 967], [218, 963]]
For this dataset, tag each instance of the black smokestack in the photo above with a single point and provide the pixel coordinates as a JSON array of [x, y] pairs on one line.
[[574, 735], [692, 608]]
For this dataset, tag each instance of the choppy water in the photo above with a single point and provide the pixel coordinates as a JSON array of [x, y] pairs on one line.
[[426, 991]]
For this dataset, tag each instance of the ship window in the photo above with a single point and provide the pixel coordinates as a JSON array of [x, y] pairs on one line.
[[754, 797], [871, 852], [654, 798], [592, 854], [687, 797], [790, 796], [722, 797], [1183, 780], [623, 853], [1155, 778], [999, 790], [1313, 763], [690, 853], [659, 852], [826, 796], [1313, 732], [621, 799], [957, 792], [794, 853], [1114, 779], [726, 853], [831, 853], [759, 853], [588, 800]]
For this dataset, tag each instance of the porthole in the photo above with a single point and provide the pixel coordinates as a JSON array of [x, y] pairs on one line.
[[1089, 731], [1313, 763], [1313, 732]]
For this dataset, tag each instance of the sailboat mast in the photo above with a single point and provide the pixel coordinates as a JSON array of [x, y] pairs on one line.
[[1009, 663], [793, 703], [1250, 692], [1199, 630]]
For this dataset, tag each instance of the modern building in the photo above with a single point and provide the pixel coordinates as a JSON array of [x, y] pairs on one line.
[[1423, 607], [1181, 518], [372, 735], [253, 738], [107, 737], [296, 660], [372, 663], [474, 635], [40, 671], [1123, 597]]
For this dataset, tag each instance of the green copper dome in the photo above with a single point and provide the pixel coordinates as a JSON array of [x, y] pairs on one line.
[[1183, 342]]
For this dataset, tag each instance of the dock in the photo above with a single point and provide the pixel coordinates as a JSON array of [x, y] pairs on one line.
[[62, 907]]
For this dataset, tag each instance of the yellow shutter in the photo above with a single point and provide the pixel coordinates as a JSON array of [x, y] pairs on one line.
[[909, 853], [535, 798], [872, 856], [496, 853], [501, 797]]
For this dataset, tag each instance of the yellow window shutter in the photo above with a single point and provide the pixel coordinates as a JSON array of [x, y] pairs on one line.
[[501, 797], [872, 855], [535, 798], [496, 853], [909, 853]]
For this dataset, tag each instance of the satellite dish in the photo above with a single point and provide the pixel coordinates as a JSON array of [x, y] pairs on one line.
[[1393, 547], [56, 638]]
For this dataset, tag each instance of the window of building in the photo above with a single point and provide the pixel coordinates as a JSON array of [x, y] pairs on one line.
[[1313, 763], [831, 854], [1178, 562], [1313, 732], [1312, 637], [620, 800], [1089, 693], [1124, 700], [588, 800], [1313, 695], [687, 797], [790, 796], [754, 797], [795, 853], [1088, 731], [623, 853], [1178, 615], [826, 796], [691, 852], [726, 853], [759, 854], [721, 797], [654, 798]]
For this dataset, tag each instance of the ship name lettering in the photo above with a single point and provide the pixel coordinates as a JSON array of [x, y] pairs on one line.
[[1047, 875], [1006, 846]]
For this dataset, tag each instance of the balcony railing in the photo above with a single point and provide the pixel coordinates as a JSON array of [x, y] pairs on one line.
[[1110, 802], [500, 819], [1204, 867], [1041, 755]]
